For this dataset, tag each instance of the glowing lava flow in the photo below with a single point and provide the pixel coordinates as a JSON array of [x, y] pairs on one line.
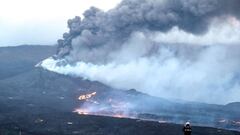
[[87, 96], [110, 107], [81, 111]]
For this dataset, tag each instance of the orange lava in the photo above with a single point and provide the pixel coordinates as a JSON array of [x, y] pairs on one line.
[[87, 96]]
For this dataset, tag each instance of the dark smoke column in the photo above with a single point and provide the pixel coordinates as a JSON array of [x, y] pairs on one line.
[[109, 30]]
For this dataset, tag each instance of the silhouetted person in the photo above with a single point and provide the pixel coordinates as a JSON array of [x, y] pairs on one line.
[[187, 129]]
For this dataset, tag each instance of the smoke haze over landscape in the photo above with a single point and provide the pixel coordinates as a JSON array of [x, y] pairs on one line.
[[177, 49]]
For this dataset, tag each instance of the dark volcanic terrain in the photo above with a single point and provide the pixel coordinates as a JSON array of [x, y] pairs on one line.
[[58, 123], [20, 59], [34, 101]]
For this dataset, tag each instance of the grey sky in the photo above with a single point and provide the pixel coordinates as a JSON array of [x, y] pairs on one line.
[[41, 21]]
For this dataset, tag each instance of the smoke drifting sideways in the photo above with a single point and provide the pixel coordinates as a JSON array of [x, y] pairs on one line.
[[177, 49]]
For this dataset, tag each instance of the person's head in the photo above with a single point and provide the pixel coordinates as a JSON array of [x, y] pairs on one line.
[[187, 123]]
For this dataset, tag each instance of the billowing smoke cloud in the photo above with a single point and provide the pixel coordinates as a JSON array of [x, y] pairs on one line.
[[109, 30], [187, 49]]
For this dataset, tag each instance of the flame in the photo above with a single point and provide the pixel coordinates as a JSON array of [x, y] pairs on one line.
[[119, 116], [81, 111], [87, 96], [109, 107]]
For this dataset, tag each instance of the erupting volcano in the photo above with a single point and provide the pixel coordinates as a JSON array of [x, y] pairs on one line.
[[173, 49], [141, 67], [182, 51]]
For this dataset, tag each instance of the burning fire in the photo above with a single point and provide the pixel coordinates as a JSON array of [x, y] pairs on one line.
[[87, 96], [110, 107], [100, 113], [81, 111], [119, 116]]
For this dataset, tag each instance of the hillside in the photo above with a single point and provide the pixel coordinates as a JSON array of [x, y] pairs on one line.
[[19, 59], [38, 102]]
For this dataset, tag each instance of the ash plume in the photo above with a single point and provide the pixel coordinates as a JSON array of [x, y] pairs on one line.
[[109, 30], [167, 48]]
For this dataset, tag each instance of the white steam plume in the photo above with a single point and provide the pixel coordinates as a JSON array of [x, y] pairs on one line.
[[187, 49], [190, 72]]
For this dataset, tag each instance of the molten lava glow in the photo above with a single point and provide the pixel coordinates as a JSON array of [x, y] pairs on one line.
[[119, 116], [87, 96], [85, 111], [109, 107], [81, 111]]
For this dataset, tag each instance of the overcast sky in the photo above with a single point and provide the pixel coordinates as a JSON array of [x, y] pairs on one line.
[[41, 21]]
